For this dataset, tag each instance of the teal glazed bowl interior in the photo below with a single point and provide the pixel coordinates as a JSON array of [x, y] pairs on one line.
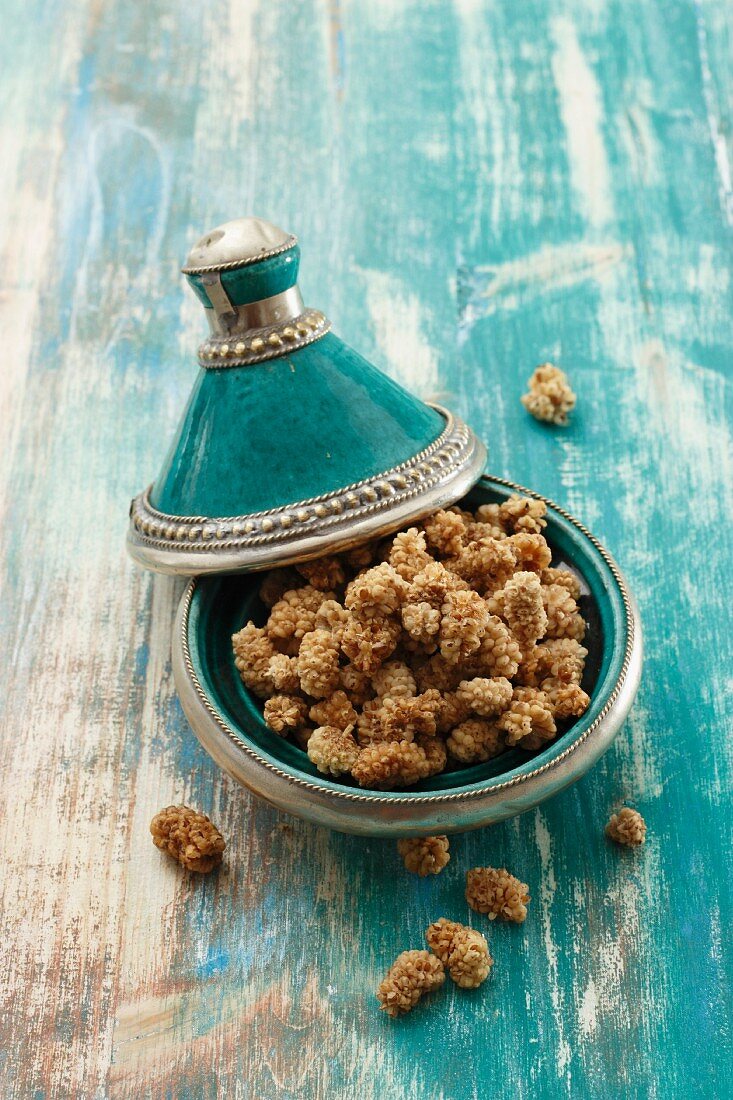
[[228, 719]]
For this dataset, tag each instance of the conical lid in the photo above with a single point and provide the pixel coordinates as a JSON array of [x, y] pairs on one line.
[[292, 444]]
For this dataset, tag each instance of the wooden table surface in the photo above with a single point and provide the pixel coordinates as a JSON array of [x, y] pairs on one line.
[[478, 186]]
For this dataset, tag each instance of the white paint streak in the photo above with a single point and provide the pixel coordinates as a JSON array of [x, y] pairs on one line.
[[582, 115], [548, 886], [588, 1012], [718, 136], [401, 331], [490, 288]]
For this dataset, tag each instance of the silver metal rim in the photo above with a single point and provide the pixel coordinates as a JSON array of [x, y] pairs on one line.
[[437, 476], [408, 813]]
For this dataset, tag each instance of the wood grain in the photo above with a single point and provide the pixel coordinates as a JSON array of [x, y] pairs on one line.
[[477, 187]]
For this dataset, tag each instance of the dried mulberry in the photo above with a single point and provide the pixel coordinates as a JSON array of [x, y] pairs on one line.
[[318, 663], [463, 951], [486, 563], [336, 710], [422, 622], [564, 577], [333, 751], [377, 592], [499, 653], [550, 397], [523, 514], [324, 573], [485, 697], [284, 713], [411, 975], [389, 764], [565, 700], [295, 614], [520, 603], [495, 892], [253, 652], [528, 722], [282, 673], [462, 625], [444, 532], [475, 741], [424, 855], [530, 550], [369, 642], [408, 553], [627, 827], [189, 837], [402, 718], [394, 678], [276, 583]]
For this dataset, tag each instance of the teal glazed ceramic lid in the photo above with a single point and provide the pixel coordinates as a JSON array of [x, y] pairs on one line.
[[292, 444]]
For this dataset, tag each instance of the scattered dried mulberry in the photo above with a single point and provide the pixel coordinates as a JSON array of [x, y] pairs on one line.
[[550, 397], [189, 837], [495, 892], [627, 827], [411, 975], [463, 951], [424, 855]]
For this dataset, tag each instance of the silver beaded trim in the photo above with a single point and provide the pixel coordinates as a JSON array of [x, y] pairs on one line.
[[446, 468], [260, 344]]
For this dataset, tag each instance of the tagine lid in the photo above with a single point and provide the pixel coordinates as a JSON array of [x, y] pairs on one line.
[[292, 445]]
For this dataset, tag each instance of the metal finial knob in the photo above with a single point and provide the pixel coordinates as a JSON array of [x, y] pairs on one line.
[[237, 243]]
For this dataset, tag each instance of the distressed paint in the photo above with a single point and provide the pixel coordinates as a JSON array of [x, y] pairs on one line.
[[478, 186]]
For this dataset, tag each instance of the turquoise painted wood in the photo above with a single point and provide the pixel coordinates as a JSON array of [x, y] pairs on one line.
[[477, 187]]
